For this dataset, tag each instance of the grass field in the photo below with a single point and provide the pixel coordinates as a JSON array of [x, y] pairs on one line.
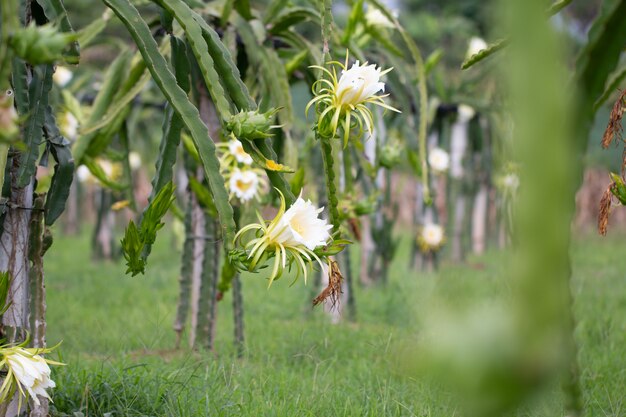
[[118, 340]]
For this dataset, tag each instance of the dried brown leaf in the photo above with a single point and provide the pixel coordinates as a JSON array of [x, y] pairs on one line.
[[333, 290], [605, 209], [614, 128]]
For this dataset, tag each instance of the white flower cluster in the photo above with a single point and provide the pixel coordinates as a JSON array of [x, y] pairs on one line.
[[243, 181]]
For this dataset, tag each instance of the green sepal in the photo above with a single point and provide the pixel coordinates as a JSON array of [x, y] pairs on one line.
[[137, 239], [151, 221], [250, 125], [415, 162], [41, 44], [237, 258], [54, 10], [240, 260], [389, 155], [297, 181], [333, 248], [132, 247]]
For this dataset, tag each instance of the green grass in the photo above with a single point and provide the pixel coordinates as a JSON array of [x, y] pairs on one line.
[[118, 340]]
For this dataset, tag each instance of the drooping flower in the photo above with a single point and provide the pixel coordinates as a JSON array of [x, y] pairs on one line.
[[236, 149], [305, 225], [431, 237], [62, 76], [439, 160], [292, 235], [342, 101], [476, 45], [244, 184], [27, 371]]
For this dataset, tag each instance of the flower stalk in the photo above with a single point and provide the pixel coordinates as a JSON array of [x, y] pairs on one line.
[[331, 186]]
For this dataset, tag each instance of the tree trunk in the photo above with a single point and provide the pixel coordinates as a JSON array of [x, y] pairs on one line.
[[14, 257], [103, 243], [209, 276], [458, 223], [367, 249], [207, 311], [21, 244], [197, 227], [70, 216], [458, 147], [186, 272], [479, 220]]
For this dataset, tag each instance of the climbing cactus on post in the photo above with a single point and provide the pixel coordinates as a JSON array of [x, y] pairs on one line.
[[27, 58]]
